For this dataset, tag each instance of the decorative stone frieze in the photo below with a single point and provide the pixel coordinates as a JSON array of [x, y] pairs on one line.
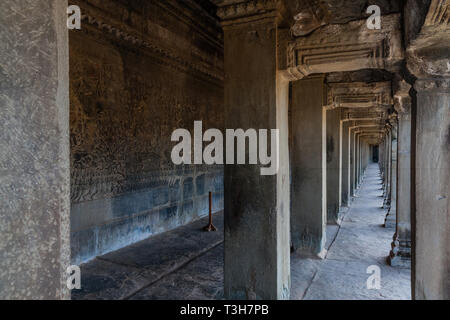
[[199, 63], [360, 95], [352, 114], [233, 12], [347, 47]]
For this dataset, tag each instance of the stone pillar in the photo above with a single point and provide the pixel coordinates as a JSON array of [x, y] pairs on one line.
[[257, 252], [355, 176], [400, 254], [431, 274], [388, 168], [358, 172], [34, 144], [390, 220], [364, 153], [308, 212], [351, 163], [358, 160], [344, 167], [381, 158], [333, 147]]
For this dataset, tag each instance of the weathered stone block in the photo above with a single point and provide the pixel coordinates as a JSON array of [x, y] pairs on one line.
[[200, 184], [83, 245], [168, 214], [187, 211], [161, 196], [175, 191], [188, 188]]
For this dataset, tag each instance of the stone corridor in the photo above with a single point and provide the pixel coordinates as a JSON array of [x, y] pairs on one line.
[[123, 131], [188, 263], [361, 241]]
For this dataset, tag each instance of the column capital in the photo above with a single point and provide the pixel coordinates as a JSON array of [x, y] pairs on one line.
[[427, 55], [393, 119], [402, 99]]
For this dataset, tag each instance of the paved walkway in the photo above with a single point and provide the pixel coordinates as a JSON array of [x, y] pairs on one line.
[[187, 263], [361, 241]]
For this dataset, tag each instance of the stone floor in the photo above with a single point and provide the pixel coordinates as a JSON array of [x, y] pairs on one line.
[[187, 263], [361, 241]]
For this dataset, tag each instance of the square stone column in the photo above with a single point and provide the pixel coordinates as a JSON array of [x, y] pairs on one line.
[[333, 149], [400, 254], [344, 159], [381, 159], [358, 162], [431, 275], [358, 159], [385, 162], [352, 161], [257, 237], [34, 144], [390, 220], [308, 163], [388, 168]]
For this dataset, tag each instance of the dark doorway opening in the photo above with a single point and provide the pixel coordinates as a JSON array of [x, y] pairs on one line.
[[375, 154]]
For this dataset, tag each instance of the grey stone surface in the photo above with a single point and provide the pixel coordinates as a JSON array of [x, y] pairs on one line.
[[400, 254], [432, 224], [256, 206], [360, 243], [120, 274], [345, 196], [129, 90], [34, 150], [308, 194], [352, 162], [202, 279], [333, 147]]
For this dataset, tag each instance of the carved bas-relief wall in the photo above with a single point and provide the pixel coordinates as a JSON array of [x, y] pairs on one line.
[[138, 71]]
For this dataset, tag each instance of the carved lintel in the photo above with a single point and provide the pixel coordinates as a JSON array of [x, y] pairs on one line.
[[376, 95], [346, 47], [351, 115], [375, 129]]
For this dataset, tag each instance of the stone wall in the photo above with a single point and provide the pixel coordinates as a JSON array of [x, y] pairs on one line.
[[138, 71]]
